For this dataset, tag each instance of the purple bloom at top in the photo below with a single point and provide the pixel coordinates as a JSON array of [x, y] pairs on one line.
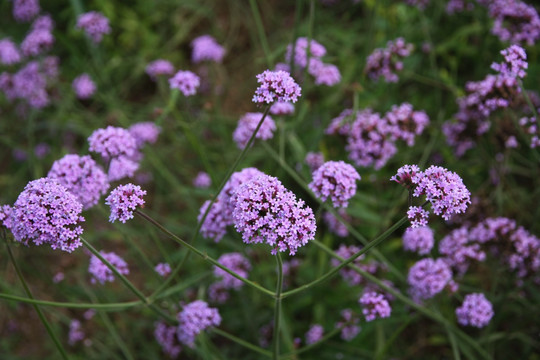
[[124, 200], [202, 180], [235, 262], [301, 51], [95, 24], [185, 81], [101, 273], [144, 132], [405, 123], [216, 222], [334, 225], [37, 42], [405, 175], [83, 86], [112, 142], [247, 125], [122, 167], [47, 213], [166, 337], [25, 10], [515, 21], [44, 22], [515, 62], [206, 48], [265, 211], [374, 305], [386, 62], [335, 180], [9, 54], [419, 240], [159, 67], [82, 177], [314, 160], [163, 269], [276, 86], [348, 324], [459, 249], [282, 108], [314, 334], [428, 277], [324, 74], [475, 311], [194, 318]]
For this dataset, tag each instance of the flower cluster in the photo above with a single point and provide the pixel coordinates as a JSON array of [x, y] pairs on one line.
[[83, 86], [247, 125], [185, 81], [25, 10], [166, 337], [102, 273], [405, 123], [123, 201], [194, 319], [94, 24], [76, 333], [282, 108], [112, 142], [419, 239], [334, 225], [163, 269], [46, 213], [314, 160], [314, 334], [9, 53], [515, 62], [348, 325], [385, 62], [335, 180], [40, 38], [159, 67], [428, 277], [276, 86], [374, 306], [206, 48], [265, 211], [475, 311], [202, 180], [459, 249], [144, 132], [352, 277], [82, 177], [531, 128], [235, 262], [515, 21]]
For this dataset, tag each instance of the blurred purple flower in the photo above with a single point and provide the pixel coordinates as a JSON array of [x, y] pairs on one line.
[[314, 334], [206, 48], [335, 180], [194, 318], [83, 86], [159, 67], [247, 125], [235, 262], [374, 306], [101, 273], [94, 24], [419, 240], [9, 53], [163, 269], [185, 81], [25, 10], [202, 180], [112, 142], [475, 311]]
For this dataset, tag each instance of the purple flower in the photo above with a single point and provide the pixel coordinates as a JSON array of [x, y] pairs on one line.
[[350, 275], [95, 24], [112, 142], [216, 222], [122, 167], [101, 273], [282, 108], [334, 225], [276, 86], [9, 54], [75, 332], [202, 180], [335, 180], [420, 4], [44, 22], [314, 160], [166, 337], [314, 334], [46, 213], [235, 262], [41, 150], [144, 132], [83, 86], [159, 67], [348, 325], [387, 61], [515, 21], [515, 62], [476, 311], [265, 211], [374, 305], [406, 124], [324, 74], [25, 10], [459, 249], [59, 276], [82, 177], [185, 81], [30, 83], [206, 48], [419, 240], [301, 45], [5, 211], [218, 293], [428, 277], [417, 216], [163, 269], [124, 200], [39, 39], [194, 318], [247, 125]]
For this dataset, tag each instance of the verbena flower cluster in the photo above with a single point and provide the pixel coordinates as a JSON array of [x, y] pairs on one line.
[[163, 269], [185, 81], [235, 262], [531, 128], [314, 334], [145, 132], [348, 324], [374, 306], [386, 62], [94, 24], [202, 180], [335, 180], [166, 337], [46, 213], [419, 240], [206, 48], [405, 123], [101, 273], [159, 67], [83, 86], [266, 212], [334, 225], [352, 277], [276, 86], [81, 176], [515, 21], [282, 108], [112, 142], [428, 277], [247, 125], [124, 200], [9, 53], [475, 311], [314, 160], [25, 10], [194, 318]]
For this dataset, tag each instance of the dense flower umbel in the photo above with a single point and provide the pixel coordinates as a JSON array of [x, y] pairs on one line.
[[202, 180], [374, 305], [37, 42], [335, 180], [418, 239], [9, 54], [163, 269], [83, 86], [46, 213], [25, 10], [301, 57], [314, 334], [247, 125], [195, 318], [237, 263], [101, 272], [159, 67], [459, 249], [112, 142], [265, 211], [82, 177], [95, 24], [122, 167], [515, 21], [124, 200], [282, 108], [185, 81], [405, 123], [386, 62], [206, 48], [428, 277], [515, 62], [476, 311], [276, 86], [216, 222], [348, 324], [166, 337], [144, 132], [314, 160]]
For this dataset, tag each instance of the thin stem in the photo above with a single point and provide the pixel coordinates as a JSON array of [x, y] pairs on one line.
[[453, 342], [71, 305], [42, 318], [277, 308], [115, 336], [242, 342], [335, 270], [203, 255], [175, 93], [260, 31], [327, 336], [528, 99]]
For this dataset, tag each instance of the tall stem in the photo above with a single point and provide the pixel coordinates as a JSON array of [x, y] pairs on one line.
[[277, 309], [260, 31]]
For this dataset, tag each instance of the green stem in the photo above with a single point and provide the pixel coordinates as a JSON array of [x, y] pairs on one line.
[[175, 93], [326, 337], [277, 309], [260, 31], [335, 270], [242, 342], [115, 336], [203, 255], [453, 342], [71, 305], [42, 318]]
